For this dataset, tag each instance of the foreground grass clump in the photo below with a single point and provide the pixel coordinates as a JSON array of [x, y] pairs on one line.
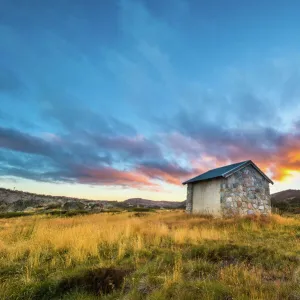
[[149, 255]]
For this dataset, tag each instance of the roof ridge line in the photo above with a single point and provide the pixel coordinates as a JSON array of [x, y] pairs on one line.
[[239, 165]]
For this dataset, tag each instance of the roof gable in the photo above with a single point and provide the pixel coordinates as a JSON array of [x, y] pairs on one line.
[[226, 171]]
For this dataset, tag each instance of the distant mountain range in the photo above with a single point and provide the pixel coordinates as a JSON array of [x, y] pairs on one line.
[[12, 200]]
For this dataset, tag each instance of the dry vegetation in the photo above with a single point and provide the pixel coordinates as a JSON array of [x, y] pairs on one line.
[[156, 255]]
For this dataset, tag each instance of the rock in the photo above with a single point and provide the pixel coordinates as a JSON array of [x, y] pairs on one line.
[[28, 209], [240, 188], [228, 204], [3, 206], [97, 206], [73, 205], [53, 205]]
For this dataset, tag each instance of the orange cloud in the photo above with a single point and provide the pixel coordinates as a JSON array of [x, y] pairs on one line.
[[287, 160], [279, 161]]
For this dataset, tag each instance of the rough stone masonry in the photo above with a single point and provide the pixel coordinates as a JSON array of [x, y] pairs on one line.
[[245, 192]]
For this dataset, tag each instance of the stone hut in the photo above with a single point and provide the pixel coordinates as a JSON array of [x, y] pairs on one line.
[[237, 189]]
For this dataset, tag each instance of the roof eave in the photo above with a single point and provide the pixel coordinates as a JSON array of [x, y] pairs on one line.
[[194, 181]]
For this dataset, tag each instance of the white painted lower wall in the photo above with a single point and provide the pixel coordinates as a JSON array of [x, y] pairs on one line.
[[206, 197]]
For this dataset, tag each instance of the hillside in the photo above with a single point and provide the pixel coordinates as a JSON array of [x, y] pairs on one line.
[[152, 203], [12, 201], [288, 200]]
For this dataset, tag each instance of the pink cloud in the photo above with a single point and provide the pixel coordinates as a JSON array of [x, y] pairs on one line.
[[112, 177]]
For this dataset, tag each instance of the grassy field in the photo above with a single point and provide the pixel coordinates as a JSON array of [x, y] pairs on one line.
[[154, 255]]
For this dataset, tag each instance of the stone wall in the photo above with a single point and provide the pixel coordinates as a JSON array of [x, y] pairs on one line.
[[189, 198], [245, 192]]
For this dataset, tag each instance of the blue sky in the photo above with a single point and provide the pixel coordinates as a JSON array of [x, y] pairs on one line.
[[117, 99]]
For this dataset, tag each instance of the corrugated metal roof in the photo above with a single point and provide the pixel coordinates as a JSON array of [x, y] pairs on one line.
[[224, 172]]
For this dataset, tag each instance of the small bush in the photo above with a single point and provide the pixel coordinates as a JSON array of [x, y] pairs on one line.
[[8, 215], [97, 282], [66, 213]]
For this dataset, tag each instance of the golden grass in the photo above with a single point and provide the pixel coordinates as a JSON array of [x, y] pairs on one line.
[[53, 244], [82, 236]]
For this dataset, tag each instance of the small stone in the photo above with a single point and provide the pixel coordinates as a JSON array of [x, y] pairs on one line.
[[229, 199], [261, 207], [250, 212], [251, 196], [249, 205]]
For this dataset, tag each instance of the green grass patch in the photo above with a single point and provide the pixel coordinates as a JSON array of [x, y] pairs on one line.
[[7, 215]]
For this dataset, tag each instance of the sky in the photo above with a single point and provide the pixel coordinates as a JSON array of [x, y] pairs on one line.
[[116, 99]]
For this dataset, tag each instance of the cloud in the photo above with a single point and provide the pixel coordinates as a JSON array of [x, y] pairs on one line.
[[73, 116], [274, 151], [169, 172], [61, 153], [132, 147], [15, 140], [215, 131], [112, 177], [158, 121], [60, 159]]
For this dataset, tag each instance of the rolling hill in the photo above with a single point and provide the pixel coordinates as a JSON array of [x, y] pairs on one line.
[[288, 201], [13, 201]]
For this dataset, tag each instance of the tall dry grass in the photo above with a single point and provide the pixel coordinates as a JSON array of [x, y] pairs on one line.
[[81, 237], [177, 246]]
